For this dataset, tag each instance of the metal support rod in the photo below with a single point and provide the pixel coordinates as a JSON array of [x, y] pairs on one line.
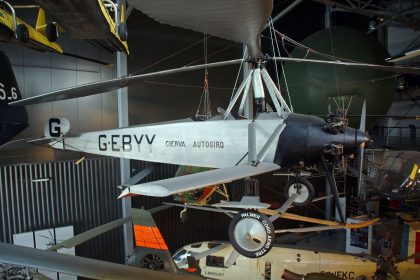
[[122, 107], [284, 12], [248, 107], [274, 136], [236, 96], [275, 93], [333, 185], [246, 97], [257, 84], [328, 200], [252, 142]]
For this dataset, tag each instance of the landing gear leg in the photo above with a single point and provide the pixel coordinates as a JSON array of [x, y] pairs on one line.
[[333, 185]]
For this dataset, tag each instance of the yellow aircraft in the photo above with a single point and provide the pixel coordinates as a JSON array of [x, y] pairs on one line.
[[42, 37], [101, 22]]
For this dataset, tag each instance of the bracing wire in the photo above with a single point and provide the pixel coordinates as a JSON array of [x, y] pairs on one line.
[[282, 66], [274, 50], [205, 96], [239, 71]]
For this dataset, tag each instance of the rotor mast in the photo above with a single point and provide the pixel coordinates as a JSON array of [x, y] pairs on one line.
[[253, 86]]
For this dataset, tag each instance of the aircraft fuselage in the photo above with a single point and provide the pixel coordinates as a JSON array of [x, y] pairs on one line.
[[216, 143]]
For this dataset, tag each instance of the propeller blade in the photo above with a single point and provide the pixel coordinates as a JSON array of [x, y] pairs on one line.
[[394, 69], [360, 157], [110, 85]]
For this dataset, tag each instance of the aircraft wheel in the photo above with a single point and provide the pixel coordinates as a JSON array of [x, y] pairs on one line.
[[251, 234], [51, 32], [122, 31], [303, 187], [22, 33], [153, 262]]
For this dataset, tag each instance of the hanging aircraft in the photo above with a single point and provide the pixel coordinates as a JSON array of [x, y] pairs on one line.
[[15, 30], [239, 148], [102, 22], [13, 119], [214, 260], [24, 258]]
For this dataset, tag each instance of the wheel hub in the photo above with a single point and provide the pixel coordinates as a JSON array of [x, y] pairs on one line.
[[250, 234], [301, 190]]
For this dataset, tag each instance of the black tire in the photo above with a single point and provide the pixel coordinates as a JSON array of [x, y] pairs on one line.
[[51, 32], [122, 31], [301, 185], [152, 262], [250, 246], [22, 33]]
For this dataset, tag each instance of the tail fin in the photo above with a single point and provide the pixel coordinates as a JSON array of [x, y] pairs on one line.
[[13, 119], [150, 249]]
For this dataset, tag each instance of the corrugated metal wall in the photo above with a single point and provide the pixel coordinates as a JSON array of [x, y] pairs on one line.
[[84, 196]]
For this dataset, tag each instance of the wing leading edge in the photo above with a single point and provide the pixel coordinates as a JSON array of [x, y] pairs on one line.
[[190, 182]]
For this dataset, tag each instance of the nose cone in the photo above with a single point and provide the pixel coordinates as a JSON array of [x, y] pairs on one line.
[[362, 137], [353, 138]]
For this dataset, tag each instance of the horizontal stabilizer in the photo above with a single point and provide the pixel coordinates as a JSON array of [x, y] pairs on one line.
[[198, 180]]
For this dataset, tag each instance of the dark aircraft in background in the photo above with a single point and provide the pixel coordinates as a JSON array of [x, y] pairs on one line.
[[398, 176], [13, 119]]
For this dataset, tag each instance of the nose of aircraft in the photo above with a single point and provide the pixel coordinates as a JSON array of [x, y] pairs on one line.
[[362, 137], [353, 138]]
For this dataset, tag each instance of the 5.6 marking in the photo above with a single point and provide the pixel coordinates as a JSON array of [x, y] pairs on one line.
[[4, 95]]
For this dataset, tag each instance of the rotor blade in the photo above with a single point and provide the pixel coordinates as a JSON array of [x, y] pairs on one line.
[[394, 69], [110, 85], [89, 268], [87, 235]]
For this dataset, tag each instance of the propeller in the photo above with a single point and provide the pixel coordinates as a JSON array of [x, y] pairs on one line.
[[360, 157]]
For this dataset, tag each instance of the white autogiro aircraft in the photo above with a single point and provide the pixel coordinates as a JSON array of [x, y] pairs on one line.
[[234, 148]]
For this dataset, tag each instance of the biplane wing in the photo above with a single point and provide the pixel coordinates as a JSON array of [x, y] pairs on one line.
[[198, 180], [89, 268]]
